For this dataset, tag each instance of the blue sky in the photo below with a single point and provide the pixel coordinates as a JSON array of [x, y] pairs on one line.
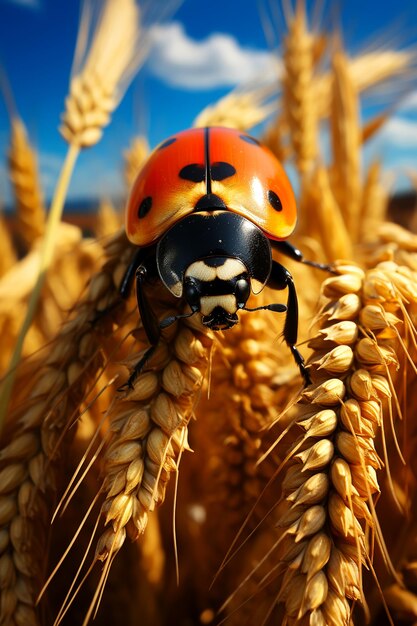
[[37, 40]]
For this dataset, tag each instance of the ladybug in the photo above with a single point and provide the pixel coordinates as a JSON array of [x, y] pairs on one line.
[[205, 211]]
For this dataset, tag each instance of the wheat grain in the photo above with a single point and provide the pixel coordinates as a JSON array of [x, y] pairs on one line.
[[327, 518]]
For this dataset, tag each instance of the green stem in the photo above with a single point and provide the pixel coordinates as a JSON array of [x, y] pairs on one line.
[[46, 255]]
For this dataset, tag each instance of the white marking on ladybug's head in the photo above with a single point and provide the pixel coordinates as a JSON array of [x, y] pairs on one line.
[[225, 268], [230, 269], [226, 302], [201, 271]]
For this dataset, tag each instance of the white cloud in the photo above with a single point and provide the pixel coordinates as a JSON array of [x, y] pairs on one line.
[[217, 61]]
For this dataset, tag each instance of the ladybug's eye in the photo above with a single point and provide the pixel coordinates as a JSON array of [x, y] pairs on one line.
[[191, 294], [242, 291]]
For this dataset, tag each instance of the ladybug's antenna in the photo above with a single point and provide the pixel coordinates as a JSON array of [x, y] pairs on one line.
[[276, 308], [173, 318], [207, 158]]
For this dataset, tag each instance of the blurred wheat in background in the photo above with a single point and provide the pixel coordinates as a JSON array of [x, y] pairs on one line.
[[298, 506]]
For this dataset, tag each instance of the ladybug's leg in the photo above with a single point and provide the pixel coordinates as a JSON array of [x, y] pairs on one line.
[[144, 272], [126, 283], [138, 259], [281, 278], [285, 247]]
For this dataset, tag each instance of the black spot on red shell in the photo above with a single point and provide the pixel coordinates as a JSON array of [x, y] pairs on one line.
[[250, 139], [144, 207], [167, 143], [274, 200], [221, 170], [194, 172]]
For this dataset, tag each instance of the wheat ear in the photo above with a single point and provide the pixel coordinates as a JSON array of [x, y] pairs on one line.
[[148, 433], [23, 171], [8, 256], [346, 139], [367, 71], [39, 428], [374, 203], [328, 508], [242, 108], [329, 227], [299, 105]]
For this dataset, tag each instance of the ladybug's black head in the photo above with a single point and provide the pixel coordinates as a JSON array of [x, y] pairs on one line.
[[217, 287], [214, 260]]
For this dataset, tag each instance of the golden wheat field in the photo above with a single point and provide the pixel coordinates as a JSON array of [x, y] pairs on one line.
[[217, 488]]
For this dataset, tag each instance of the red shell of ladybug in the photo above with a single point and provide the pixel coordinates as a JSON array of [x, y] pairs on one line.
[[222, 163]]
